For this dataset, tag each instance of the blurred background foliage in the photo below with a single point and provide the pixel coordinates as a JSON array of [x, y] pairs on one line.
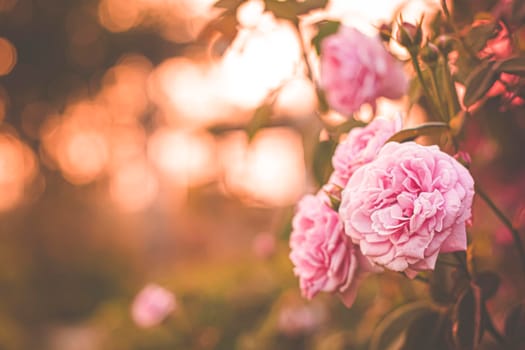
[[133, 148]]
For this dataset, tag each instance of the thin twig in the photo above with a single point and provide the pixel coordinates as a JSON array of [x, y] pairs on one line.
[[489, 325], [515, 234]]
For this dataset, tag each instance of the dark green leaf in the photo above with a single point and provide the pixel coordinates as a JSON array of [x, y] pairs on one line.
[[515, 326], [467, 319], [322, 164], [465, 65], [430, 331], [290, 9], [260, 119], [228, 4], [389, 333], [478, 36], [515, 65], [427, 129], [325, 28], [226, 26], [489, 283], [306, 6], [479, 81], [282, 9]]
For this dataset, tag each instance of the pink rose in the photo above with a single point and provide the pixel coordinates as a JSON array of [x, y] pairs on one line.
[[324, 258], [361, 147], [357, 69], [152, 305], [407, 206]]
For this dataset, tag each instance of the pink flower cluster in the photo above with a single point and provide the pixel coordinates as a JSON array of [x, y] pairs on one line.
[[401, 205], [357, 69]]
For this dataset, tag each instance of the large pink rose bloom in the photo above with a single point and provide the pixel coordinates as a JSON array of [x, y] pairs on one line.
[[360, 147], [357, 69], [324, 258], [407, 206]]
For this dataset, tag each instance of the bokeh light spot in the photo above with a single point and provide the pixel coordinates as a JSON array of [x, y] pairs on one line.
[[8, 56]]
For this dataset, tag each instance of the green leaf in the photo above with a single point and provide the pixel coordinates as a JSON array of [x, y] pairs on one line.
[[322, 162], [430, 330], [427, 129], [479, 81], [514, 326], [226, 25], [290, 9], [489, 282], [514, 65], [282, 9], [478, 36], [390, 332], [260, 119], [306, 6], [325, 28], [466, 331], [228, 4]]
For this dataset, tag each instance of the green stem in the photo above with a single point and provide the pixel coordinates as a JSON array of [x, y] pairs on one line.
[[501, 216], [422, 279], [445, 116], [452, 94], [429, 95]]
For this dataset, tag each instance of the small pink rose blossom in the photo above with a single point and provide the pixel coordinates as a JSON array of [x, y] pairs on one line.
[[361, 147], [324, 258], [357, 69], [152, 305], [407, 206]]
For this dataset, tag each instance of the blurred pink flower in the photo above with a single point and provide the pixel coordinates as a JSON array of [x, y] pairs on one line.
[[264, 245], [152, 305], [357, 69], [297, 319], [500, 46], [463, 158], [324, 258], [361, 147], [408, 205]]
